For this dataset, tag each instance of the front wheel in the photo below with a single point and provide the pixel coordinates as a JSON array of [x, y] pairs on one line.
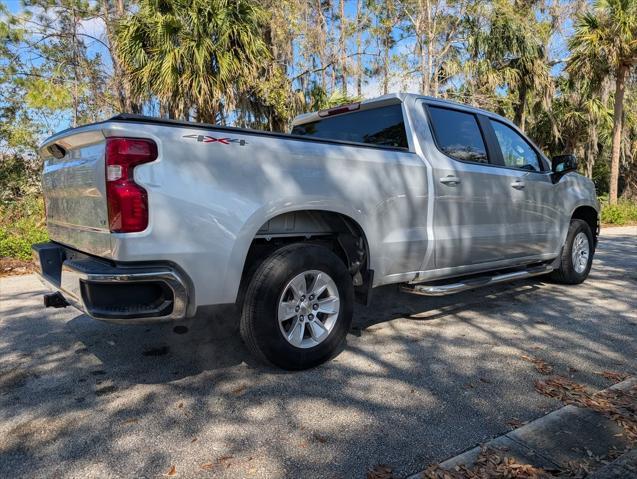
[[298, 307], [577, 254]]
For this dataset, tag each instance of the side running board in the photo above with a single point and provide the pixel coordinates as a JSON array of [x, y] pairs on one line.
[[474, 282]]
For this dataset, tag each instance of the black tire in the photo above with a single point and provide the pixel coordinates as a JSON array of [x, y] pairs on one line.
[[259, 324], [567, 273]]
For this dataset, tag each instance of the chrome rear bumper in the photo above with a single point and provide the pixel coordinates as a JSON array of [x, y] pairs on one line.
[[113, 292]]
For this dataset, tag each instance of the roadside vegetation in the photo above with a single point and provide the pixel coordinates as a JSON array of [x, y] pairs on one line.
[[565, 72], [21, 211], [623, 213]]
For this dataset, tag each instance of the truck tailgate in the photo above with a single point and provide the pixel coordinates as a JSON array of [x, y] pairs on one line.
[[74, 188]]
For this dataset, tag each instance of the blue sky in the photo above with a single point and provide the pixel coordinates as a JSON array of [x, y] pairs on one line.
[[371, 87]]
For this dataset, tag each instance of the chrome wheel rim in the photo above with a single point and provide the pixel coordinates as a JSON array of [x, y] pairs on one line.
[[308, 309], [580, 253]]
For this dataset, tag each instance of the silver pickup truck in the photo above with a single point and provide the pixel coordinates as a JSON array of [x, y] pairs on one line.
[[151, 219]]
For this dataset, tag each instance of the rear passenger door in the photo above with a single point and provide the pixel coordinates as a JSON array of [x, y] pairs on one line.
[[475, 212]]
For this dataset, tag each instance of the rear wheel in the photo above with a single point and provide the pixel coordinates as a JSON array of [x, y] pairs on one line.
[[298, 307], [577, 254]]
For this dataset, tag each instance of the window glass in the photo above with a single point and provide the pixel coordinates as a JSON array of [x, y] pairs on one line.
[[379, 126], [516, 151], [458, 134]]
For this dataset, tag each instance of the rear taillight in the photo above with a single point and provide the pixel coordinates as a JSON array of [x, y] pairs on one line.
[[127, 201]]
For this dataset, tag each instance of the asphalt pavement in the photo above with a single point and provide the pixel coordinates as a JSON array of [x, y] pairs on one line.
[[421, 380]]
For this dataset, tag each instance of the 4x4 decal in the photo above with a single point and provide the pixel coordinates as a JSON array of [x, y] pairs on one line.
[[212, 139]]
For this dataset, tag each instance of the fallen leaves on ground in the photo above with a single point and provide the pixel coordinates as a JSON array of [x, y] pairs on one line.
[[491, 464], [577, 469], [14, 267], [613, 376], [238, 391], [380, 471], [561, 388], [541, 366], [616, 404], [172, 471], [223, 461], [515, 423]]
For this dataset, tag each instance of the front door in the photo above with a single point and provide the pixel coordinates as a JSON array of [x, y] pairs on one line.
[[536, 230]]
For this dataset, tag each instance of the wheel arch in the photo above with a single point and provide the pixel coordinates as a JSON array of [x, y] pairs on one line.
[[333, 226], [590, 215]]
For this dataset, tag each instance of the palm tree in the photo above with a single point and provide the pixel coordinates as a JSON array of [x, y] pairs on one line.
[[605, 44], [509, 54], [196, 55]]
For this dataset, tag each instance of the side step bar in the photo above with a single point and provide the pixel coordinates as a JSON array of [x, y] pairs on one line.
[[475, 282]]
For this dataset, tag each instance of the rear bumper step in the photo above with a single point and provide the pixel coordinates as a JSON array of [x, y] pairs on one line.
[[111, 292], [474, 282]]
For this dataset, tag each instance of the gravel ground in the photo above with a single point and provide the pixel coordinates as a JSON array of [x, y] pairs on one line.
[[420, 380]]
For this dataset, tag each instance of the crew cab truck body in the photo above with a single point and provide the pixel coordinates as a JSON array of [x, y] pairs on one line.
[[150, 220]]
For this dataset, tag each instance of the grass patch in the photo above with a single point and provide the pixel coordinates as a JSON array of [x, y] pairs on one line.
[[21, 224], [623, 213]]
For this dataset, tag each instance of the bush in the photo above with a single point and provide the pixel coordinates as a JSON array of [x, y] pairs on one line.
[[624, 212], [21, 225]]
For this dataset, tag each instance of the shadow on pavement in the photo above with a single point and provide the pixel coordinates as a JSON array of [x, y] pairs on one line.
[[421, 379]]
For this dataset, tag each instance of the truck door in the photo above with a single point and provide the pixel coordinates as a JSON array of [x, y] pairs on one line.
[[532, 193], [476, 210]]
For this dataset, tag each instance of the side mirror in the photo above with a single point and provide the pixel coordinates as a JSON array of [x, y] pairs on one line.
[[563, 164]]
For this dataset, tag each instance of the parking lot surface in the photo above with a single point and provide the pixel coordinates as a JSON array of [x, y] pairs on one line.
[[421, 379]]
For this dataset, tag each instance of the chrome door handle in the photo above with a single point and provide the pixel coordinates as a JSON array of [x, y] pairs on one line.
[[450, 180], [518, 185]]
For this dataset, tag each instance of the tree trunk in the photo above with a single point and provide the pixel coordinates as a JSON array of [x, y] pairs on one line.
[[590, 162], [620, 85], [343, 48], [120, 79], [359, 59], [520, 110], [430, 42], [322, 43], [386, 71], [386, 53], [75, 71]]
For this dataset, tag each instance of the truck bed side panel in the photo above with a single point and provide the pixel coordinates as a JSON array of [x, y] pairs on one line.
[[208, 200]]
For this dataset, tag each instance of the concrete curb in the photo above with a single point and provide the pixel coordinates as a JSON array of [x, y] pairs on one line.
[[619, 230], [624, 467], [555, 440]]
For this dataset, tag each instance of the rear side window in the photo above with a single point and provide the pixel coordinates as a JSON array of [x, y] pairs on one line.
[[457, 134], [379, 126]]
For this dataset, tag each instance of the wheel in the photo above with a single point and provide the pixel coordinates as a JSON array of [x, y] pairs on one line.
[[298, 307], [577, 254]]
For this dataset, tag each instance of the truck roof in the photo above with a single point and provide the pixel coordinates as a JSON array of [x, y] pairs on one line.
[[384, 100]]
